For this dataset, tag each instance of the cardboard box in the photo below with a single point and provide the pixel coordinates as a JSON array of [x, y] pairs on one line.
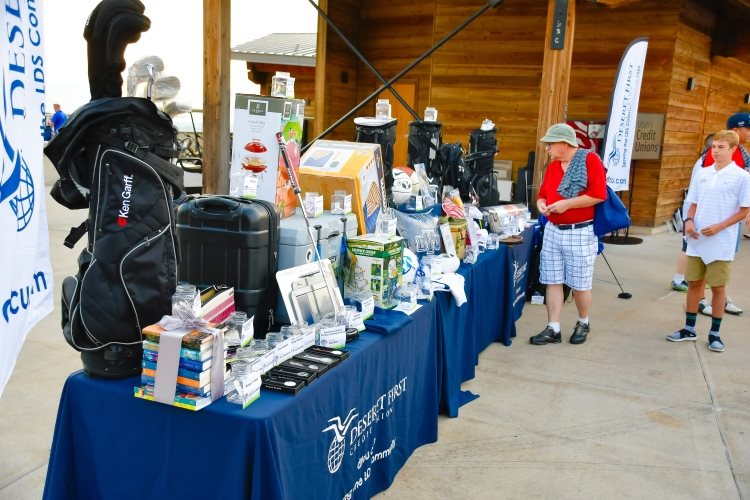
[[257, 170], [375, 267], [356, 168]]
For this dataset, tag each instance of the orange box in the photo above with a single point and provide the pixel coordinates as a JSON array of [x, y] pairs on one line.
[[354, 167]]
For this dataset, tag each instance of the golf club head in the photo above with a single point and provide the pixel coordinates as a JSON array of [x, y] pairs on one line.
[[165, 87], [139, 69], [624, 295], [174, 108]]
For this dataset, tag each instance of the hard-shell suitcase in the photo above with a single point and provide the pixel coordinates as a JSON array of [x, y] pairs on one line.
[[235, 242]]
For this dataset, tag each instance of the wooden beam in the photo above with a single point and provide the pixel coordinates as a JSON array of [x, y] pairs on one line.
[[320, 73], [216, 99], [553, 95]]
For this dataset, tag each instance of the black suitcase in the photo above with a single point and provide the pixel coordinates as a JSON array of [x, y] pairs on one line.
[[235, 242]]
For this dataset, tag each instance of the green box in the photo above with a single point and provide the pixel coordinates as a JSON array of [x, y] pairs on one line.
[[375, 267]]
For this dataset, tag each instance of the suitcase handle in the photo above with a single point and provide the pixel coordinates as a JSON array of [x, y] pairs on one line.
[[216, 208]]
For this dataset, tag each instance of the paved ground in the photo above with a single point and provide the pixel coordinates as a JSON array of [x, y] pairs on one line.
[[626, 415]]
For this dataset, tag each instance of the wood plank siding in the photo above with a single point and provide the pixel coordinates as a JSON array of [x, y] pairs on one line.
[[493, 69]]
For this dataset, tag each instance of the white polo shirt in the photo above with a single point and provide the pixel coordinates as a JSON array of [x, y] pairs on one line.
[[719, 195]]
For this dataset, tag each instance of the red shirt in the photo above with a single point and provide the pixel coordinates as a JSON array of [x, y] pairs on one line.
[[597, 188], [736, 158]]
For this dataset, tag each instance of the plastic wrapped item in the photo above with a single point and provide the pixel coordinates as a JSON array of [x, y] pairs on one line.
[[506, 220], [430, 114], [282, 85], [409, 226], [341, 202], [383, 109]]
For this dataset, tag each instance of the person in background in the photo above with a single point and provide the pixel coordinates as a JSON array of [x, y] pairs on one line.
[[58, 119], [573, 183], [678, 281], [719, 198], [740, 124]]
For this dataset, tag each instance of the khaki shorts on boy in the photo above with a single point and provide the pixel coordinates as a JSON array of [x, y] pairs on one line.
[[716, 273]]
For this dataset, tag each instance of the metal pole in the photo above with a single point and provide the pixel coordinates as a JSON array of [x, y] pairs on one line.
[[623, 294], [469, 20], [297, 191]]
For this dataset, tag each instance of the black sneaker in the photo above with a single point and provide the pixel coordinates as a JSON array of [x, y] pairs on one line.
[[579, 333], [682, 335], [546, 336]]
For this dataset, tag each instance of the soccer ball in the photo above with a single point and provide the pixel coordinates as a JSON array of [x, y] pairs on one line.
[[401, 189], [409, 265]]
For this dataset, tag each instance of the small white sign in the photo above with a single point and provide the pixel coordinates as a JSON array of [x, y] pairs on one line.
[[445, 233], [333, 336]]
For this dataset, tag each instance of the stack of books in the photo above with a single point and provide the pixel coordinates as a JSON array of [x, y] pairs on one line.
[[193, 389]]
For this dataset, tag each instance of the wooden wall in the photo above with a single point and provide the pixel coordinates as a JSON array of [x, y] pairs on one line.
[[492, 69]]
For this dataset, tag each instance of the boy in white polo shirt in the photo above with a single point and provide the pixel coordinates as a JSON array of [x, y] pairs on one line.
[[718, 197]]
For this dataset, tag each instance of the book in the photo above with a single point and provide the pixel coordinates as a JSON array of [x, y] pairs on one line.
[[203, 377], [193, 340], [181, 399], [192, 354], [181, 380], [198, 391], [188, 364]]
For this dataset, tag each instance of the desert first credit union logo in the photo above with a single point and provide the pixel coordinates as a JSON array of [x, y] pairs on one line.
[[354, 430]]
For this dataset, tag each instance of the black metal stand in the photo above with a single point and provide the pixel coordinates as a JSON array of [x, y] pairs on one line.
[[623, 294], [409, 67], [615, 238]]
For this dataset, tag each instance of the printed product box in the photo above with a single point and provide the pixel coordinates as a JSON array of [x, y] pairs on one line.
[[258, 170], [375, 267], [357, 168]]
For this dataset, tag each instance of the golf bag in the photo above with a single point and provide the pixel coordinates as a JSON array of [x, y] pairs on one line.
[[112, 157], [455, 172], [482, 149], [385, 135], [425, 139]]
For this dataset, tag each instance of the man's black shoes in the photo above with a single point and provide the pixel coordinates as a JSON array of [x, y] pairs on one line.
[[547, 336], [579, 333]]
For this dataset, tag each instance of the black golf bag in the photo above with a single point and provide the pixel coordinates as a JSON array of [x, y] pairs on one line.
[[482, 150], [425, 139], [455, 172], [112, 158], [385, 135]]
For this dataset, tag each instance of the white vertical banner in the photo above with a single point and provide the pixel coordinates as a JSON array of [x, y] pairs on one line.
[[26, 276], [623, 113]]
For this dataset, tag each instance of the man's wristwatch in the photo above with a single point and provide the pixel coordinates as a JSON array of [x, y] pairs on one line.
[[687, 219]]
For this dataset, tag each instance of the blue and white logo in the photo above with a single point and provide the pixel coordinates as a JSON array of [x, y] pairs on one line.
[[16, 182]]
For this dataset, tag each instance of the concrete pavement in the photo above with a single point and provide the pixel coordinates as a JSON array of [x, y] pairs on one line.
[[625, 415]]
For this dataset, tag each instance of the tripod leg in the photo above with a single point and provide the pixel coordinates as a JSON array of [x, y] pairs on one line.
[[623, 294]]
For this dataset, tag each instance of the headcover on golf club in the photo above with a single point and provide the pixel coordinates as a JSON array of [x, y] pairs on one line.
[[111, 26]]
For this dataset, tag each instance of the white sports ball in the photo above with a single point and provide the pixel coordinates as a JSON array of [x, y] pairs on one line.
[[401, 189], [409, 266], [449, 264]]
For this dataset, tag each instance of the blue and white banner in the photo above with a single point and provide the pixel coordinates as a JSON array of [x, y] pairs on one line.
[[623, 112], [26, 277]]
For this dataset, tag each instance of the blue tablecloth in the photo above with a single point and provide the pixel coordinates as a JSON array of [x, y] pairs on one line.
[[349, 432], [491, 285]]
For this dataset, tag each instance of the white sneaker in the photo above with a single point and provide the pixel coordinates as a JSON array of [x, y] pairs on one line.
[[704, 307], [731, 308]]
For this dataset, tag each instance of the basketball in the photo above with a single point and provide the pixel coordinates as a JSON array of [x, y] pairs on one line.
[[401, 189]]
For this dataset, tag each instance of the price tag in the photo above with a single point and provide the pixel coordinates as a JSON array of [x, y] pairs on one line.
[[250, 186], [248, 330], [445, 233], [333, 336], [355, 319]]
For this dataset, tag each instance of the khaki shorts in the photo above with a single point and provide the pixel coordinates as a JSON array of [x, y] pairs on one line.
[[716, 273]]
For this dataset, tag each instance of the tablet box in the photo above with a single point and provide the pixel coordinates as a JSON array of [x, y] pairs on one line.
[[327, 351], [285, 385], [306, 376], [357, 168], [255, 149], [375, 267]]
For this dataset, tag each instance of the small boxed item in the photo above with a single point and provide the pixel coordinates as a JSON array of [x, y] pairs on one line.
[[506, 220], [375, 267], [282, 384], [298, 364], [313, 204], [319, 359], [357, 168], [282, 85], [341, 203], [327, 351], [306, 376]]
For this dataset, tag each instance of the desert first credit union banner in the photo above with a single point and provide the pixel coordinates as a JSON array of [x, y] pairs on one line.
[[26, 277]]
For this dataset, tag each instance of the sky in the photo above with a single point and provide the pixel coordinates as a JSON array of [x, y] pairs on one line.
[[176, 36]]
